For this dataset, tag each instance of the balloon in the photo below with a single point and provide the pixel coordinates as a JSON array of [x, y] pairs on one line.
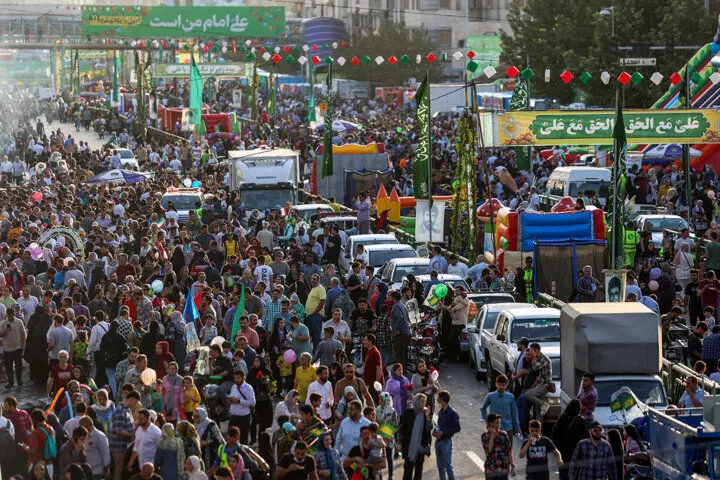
[[441, 290], [290, 356], [711, 194], [489, 257], [654, 285], [434, 375], [157, 286], [148, 377], [655, 273], [37, 196], [36, 253], [196, 184], [504, 243], [398, 129], [377, 386], [187, 182]]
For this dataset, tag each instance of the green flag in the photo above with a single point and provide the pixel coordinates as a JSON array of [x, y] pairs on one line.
[[618, 190], [196, 91], [521, 101], [76, 74], [251, 98], [327, 160], [271, 94], [238, 313], [311, 102], [116, 67], [421, 164]]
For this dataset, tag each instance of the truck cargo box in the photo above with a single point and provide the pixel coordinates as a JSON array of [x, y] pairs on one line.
[[608, 339]]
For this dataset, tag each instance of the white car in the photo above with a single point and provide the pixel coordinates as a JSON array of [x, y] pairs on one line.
[[379, 254], [127, 158], [396, 269], [307, 210], [347, 255], [659, 223], [184, 200]]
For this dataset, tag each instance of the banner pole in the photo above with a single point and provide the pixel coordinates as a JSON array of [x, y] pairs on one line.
[[430, 149]]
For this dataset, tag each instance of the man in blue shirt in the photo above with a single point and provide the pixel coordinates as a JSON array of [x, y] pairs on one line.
[[400, 327], [437, 261], [502, 402], [448, 424]]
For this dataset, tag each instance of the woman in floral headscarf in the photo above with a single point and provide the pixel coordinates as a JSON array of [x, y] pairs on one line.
[[170, 456], [190, 439], [385, 413], [209, 434]]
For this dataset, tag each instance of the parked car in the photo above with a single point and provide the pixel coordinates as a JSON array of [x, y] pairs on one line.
[[379, 254], [393, 272], [480, 330], [477, 300], [347, 255], [127, 158], [659, 223], [183, 199], [308, 210]]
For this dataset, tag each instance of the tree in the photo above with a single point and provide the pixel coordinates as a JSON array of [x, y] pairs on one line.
[[572, 35], [391, 39]]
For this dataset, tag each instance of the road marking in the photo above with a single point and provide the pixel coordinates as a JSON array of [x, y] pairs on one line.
[[476, 460]]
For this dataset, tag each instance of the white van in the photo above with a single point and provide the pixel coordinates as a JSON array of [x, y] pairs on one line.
[[568, 181]]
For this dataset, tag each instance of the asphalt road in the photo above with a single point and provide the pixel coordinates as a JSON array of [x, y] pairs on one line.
[[466, 395]]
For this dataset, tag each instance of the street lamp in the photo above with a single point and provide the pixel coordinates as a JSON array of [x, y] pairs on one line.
[[610, 11]]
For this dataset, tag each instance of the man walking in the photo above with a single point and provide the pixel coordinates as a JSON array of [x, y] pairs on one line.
[[400, 325], [502, 403], [448, 424], [499, 461], [241, 398], [536, 449], [593, 458], [13, 335]]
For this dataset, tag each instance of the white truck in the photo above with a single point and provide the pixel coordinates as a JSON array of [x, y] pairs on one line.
[[265, 178], [620, 344]]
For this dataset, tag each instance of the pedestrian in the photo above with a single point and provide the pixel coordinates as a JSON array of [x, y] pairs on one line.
[[448, 424], [537, 395], [242, 399], [503, 403], [170, 456], [415, 435], [13, 335], [400, 327], [147, 437], [588, 397], [97, 449], [497, 445], [385, 414], [423, 382], [537, 448], [593, 458], [568, 430], [328, 460]]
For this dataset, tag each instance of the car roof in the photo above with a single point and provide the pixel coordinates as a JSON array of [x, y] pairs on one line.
[[340, 219], [506, 306], [312, 206], [533, 313], [372, 236], [388, 246], [410, 261], [658, 215], [443, 277]]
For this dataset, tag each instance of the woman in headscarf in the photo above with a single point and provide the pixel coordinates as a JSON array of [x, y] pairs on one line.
[[162, 357], [327, 459], [209, 434], [36, 345], [104, 409], [114, 348], [260, 379], [422, 383], [38, 471], [336, 373], [614, 438], [190, 439], [175, 335], [172, 384], [170, 456], [287, 407], [397, 387], [633, 442], [380, 298], [341, 409], [301, 288], [568, 431], [278, 337], [415, 436], [384, 412], [194, 467], [150, 340], [237, 467]]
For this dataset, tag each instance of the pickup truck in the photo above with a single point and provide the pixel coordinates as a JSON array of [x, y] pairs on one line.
[[480, 331], [540, 325]]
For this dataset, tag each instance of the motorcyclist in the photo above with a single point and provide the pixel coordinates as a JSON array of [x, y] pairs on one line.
[[114, 140]]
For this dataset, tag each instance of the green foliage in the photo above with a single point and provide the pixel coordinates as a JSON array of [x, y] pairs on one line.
[[572, 35], [463, 223]]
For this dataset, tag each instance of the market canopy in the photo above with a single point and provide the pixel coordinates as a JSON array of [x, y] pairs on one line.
[[667, 153]]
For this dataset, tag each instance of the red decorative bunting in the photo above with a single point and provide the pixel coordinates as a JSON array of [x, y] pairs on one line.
[[512, 71], [276, 58], [566, 76], [287, 48], [392, 60], [431, 57], [355, 61], [624, 78], [315, 60], [314, 48], [675, 78], [343, 44], [471, 54]]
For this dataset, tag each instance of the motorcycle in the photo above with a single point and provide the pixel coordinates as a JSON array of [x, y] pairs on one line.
[[100, 130], [676, 349], [425, 342]]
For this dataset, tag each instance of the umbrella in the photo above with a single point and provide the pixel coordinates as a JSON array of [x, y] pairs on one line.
[[668, 153], [118, 175], [341, 126]]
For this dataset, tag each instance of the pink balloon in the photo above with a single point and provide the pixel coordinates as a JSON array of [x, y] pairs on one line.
[[37, 196], [290, 356]]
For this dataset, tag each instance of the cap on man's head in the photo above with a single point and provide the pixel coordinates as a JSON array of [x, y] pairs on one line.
[[595, 424], [288, 427]]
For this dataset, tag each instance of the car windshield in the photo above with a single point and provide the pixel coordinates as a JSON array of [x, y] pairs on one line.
[[405, 270], [598, 187], [449, 283], [377, 241], [263, 199], [126, 154], [649, 392], [307, 213], [555, 368], [379, 257], [536, 329], [481, 300], [181, 202], [671, 223]]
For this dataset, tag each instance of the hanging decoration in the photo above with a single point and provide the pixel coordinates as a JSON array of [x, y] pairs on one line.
[[463, 222]]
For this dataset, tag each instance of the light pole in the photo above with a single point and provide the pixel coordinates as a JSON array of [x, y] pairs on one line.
[[610, 11]]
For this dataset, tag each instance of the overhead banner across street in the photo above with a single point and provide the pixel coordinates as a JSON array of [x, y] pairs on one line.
[[564, 127], [179, 22], [206, 69]]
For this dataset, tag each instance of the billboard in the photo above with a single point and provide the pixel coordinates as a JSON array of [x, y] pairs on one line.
[[564, 127], [487, 49], [206, 69], [183, 22]]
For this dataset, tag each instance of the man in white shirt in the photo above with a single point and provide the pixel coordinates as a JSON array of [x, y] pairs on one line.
[[147, 437], [457, 267], [241, 398], [534, 199], [323, 388], [97, 333], [27, 303], [342, 329]]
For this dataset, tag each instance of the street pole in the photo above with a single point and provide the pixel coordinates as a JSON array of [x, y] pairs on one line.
[[430, 151], [686, 147], [616, 183]]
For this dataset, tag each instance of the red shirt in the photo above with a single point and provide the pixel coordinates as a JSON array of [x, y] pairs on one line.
[[60, 376], [709, 298], [21, 423], [373, 360], [36, 452]]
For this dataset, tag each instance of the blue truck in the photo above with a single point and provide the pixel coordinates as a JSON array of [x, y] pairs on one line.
[[681, 447]]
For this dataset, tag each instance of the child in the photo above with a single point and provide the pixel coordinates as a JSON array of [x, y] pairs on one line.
[[286, 380], [191, 397], [209, 331], [80, 350], [377, 445], [708, 313], [227, 353], [239, 361]]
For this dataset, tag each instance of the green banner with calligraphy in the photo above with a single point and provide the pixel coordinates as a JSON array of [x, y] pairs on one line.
[[183, 22], [565, 127], [206, 69]]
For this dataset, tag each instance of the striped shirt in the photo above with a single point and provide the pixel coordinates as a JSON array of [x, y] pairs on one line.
[[121, 421], [593, 462]]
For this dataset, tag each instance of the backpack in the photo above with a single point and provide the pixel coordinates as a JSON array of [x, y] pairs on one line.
[[50, 446], [7, 444]]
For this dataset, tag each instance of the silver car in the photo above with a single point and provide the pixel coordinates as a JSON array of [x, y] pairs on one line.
[[347, 255]]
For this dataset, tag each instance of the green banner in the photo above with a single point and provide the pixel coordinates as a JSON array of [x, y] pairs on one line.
[[421, 164], [596, 127], [183, 22], [23, 70], [206, 69]]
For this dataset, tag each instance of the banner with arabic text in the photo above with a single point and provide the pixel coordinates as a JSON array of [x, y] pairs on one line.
[[563, 127], [183, 22], [206, 69]]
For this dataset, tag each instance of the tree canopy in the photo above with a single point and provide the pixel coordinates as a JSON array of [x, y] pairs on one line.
[[572, 35]]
